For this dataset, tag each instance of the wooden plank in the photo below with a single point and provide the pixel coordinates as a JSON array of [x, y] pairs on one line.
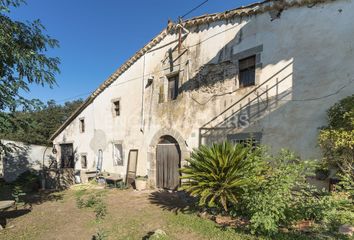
[[175, 161], [132, 164], [159, 167]]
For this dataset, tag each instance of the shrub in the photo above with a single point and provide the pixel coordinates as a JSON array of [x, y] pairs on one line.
[[267, 203], [100, 235], [92, 201], [95, 202], [100, 211], [80, 203], [335, 218], [328, 209], [309, 204], [337, 142], [219, 174], [270, 191], [337, 139], [87, 202], [340, 211], [347, 184]]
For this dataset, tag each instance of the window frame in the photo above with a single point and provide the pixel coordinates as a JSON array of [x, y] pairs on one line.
[[117, 111], [172, 77], [81, 156], [250, 70], [67, 161], [82, 124], [244, 138], [121, 163]]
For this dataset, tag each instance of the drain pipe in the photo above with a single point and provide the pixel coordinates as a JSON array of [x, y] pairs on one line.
[[142, 98]]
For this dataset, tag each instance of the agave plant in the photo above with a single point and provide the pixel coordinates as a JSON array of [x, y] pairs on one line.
[[218, 174]]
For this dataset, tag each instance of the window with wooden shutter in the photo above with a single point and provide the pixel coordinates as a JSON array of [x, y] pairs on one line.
[[173, 87], [247, 71]]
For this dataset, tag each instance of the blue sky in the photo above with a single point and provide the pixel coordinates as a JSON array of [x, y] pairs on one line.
[[97, 36]]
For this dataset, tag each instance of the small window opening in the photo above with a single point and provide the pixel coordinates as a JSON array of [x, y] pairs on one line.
[[83, 161], [117, 155], [117, 107], [173, 87], [247, 71], [82, 125]]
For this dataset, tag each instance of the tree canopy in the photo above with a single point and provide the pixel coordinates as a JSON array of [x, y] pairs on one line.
[[37, 126], [24, 61]]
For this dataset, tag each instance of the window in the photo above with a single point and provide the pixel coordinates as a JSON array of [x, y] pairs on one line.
[[67, 155], [116, 105], [245, 138], [117, 154], [82, 125], [83, 161], [99, 160], [173, 86], [247, 71]]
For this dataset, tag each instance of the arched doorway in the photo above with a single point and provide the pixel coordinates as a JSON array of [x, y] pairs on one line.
[[168, 163]]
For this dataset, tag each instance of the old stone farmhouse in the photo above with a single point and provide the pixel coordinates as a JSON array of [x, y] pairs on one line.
[[268, 71]]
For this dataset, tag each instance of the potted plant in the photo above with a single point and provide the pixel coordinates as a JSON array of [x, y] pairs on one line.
[[140, 182]]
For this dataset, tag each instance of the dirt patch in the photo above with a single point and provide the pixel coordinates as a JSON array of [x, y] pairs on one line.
[[131, 215]]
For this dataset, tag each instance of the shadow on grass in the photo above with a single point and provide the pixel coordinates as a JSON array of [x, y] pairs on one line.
[[44, 196], [27, 201], [148, 236], [31, 198], [10, 214], [173, 201]]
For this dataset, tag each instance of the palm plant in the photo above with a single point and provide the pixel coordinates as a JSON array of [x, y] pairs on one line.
[[218, 174]]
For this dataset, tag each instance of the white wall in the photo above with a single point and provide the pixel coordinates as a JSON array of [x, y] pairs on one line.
[[23, 157], [309, 51]]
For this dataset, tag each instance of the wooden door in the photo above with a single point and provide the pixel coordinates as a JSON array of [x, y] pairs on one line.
[[168, 164], [132, 164], [67, 156]]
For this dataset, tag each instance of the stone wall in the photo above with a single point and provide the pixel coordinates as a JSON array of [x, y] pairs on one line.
[[23, 157]]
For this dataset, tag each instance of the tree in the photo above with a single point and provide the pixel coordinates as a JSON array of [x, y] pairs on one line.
[[40, 124], [23, 61]]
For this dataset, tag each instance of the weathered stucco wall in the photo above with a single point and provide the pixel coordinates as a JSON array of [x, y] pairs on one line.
[[304, 57], [23, 157]]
